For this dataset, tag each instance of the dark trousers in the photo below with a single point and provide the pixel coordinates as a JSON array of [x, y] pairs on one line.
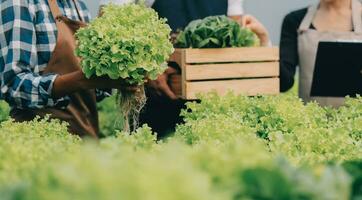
[[161, 113]]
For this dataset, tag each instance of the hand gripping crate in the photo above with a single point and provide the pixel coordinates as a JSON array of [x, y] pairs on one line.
[[251, 71]]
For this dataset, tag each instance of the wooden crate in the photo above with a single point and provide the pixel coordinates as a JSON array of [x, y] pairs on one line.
[[250, 71]]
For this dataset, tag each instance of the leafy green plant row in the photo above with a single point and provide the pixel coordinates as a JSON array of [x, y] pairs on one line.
[[304, 133], [229, 148]]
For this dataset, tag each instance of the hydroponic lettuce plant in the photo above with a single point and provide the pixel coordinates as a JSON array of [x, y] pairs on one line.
[[26, 146], [305, 134], [216, 32], [128, 42], [238, 169], [231, 148]]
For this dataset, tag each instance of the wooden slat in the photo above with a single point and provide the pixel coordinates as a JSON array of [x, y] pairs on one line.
[[250, 87], [183, 71], [224, 55], [177, 56], [232, 70]]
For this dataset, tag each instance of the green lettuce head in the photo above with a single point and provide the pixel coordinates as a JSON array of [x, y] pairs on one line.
[[129, 42], [216, 32]]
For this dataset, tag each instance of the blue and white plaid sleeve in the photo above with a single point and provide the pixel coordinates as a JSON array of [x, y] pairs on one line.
[[21, 85]]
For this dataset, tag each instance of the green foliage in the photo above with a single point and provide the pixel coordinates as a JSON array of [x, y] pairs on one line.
[[27, 146], [215, 169], [303, 133], [128, 42], [108, 115], [142, 138], [354, 168], [216, 32], [230, 148], [115, 171], [283, 182], [349, 117], [4, 111]]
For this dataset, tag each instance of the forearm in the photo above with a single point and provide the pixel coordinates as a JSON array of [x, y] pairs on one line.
[[265, 40], [76, 81], [68, 84], [26, 90]]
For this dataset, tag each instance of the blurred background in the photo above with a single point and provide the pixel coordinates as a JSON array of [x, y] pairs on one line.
[[270, 12]]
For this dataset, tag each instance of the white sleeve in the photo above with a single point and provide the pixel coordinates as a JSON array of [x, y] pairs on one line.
[[235, 7], [150, 2]]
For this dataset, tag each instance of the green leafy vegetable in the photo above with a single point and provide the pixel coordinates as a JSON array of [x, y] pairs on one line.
[[304, 133], [128, 42], [26, 146], [135, 167], [216, 32], [354, 168], [230, 148]]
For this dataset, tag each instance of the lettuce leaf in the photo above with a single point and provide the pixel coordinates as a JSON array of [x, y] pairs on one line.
[[129, 42], [216, 32]]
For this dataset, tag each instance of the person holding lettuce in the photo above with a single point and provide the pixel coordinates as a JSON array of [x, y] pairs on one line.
[[163, 107], [39, 72]]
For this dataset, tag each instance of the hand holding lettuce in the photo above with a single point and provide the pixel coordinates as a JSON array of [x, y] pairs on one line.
[[128, 42], [250, 22]]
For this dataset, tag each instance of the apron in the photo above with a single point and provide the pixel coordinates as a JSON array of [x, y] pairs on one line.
[[308, 40], [81, 113]]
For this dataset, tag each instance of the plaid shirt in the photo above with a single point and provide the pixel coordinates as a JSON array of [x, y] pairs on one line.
[[27, 39]]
